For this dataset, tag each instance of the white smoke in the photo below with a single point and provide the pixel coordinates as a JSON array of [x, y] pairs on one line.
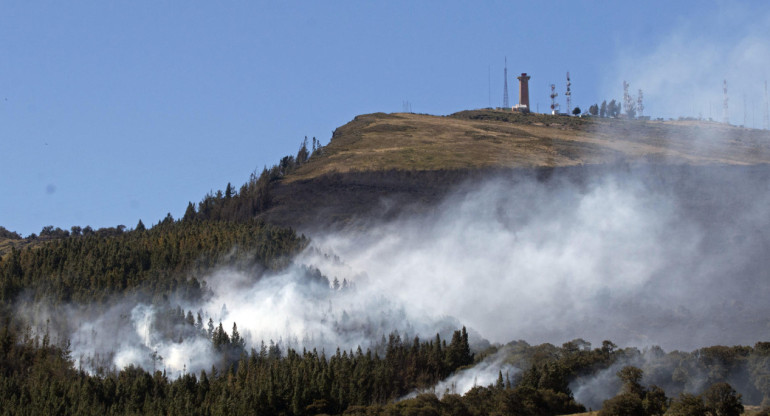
[[683, 74], [610, 259], [613, 256], [483, 374], [287, 309], [309, 315]]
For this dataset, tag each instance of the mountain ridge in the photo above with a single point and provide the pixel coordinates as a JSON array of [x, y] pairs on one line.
[[502, 139], [384, 165], [403, 159]]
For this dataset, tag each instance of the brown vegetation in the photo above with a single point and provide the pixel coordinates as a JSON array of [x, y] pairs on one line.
[[491, 138]]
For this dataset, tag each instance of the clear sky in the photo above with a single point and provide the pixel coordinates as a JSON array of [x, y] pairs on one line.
[[115, 111]]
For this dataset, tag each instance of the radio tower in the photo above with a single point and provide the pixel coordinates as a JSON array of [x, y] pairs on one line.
[[628, 102], [766, 119], [506, 104], [726, 114], [569, 94], [744, 110], [554, 104]]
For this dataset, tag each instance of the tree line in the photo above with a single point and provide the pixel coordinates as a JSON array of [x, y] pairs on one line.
[[37, 376], [87, 265], [255, 195], [171, 257]]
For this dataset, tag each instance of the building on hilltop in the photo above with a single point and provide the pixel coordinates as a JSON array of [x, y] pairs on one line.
[[523, 105]]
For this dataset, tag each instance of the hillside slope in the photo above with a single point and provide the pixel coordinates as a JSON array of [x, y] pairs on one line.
[[382, 165], [489, 138]]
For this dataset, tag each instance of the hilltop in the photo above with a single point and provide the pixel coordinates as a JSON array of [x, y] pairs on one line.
[[388, 163], [383, 165], [490, 138]]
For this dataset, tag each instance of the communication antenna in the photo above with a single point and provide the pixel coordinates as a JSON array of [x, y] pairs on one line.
[[766, 118], [744, 110], [639, 103], [489, 82], [505, 85], [628, 102], [569, 94], [725, 111], [554, 104]]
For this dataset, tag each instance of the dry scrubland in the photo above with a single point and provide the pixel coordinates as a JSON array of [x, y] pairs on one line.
[[490, 138], [747, 410], [415, 159]]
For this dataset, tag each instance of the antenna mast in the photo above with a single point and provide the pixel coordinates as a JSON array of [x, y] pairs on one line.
[[628, 101], [506, 104], [569, 94], [554, 104], [766, 119], [726, 114], [489, 84], [744, 110]]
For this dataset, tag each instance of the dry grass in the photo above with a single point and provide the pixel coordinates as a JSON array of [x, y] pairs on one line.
[[751, 410], [6, 244], [488, 138], [748, 410]]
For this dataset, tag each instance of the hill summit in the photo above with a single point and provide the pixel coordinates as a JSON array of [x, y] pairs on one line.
[[500, 139], [379, 165]]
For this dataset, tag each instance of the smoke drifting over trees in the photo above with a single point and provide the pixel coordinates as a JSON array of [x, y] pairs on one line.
[[645, 255]]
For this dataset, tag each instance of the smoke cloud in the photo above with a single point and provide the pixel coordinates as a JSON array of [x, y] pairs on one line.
[[620, 256], [482, 374], [640, 256], [682, 75]]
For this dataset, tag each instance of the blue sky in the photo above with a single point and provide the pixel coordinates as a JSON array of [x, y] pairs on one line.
[[111, 112]]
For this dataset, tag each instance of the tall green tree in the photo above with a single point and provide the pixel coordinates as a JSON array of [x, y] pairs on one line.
[[687, 404], [722, 400]]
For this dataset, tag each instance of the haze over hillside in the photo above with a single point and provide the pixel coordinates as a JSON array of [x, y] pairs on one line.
[[382, 164], [537, 228], [501, 139]]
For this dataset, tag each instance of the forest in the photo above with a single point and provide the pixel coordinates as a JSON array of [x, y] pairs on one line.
[[167, 266], [38, 377]]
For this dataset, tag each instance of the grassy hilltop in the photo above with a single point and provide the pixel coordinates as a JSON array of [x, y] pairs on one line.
[[412, 159], [491, 138]]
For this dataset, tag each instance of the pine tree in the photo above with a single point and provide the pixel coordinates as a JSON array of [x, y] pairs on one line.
[[236, 340], [303, 154]]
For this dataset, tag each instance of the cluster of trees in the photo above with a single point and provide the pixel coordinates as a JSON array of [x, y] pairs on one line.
[[230, 204], [38, 377], [11, 235], [255, 196], [171, 257], [720, 399], [611, 109]]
